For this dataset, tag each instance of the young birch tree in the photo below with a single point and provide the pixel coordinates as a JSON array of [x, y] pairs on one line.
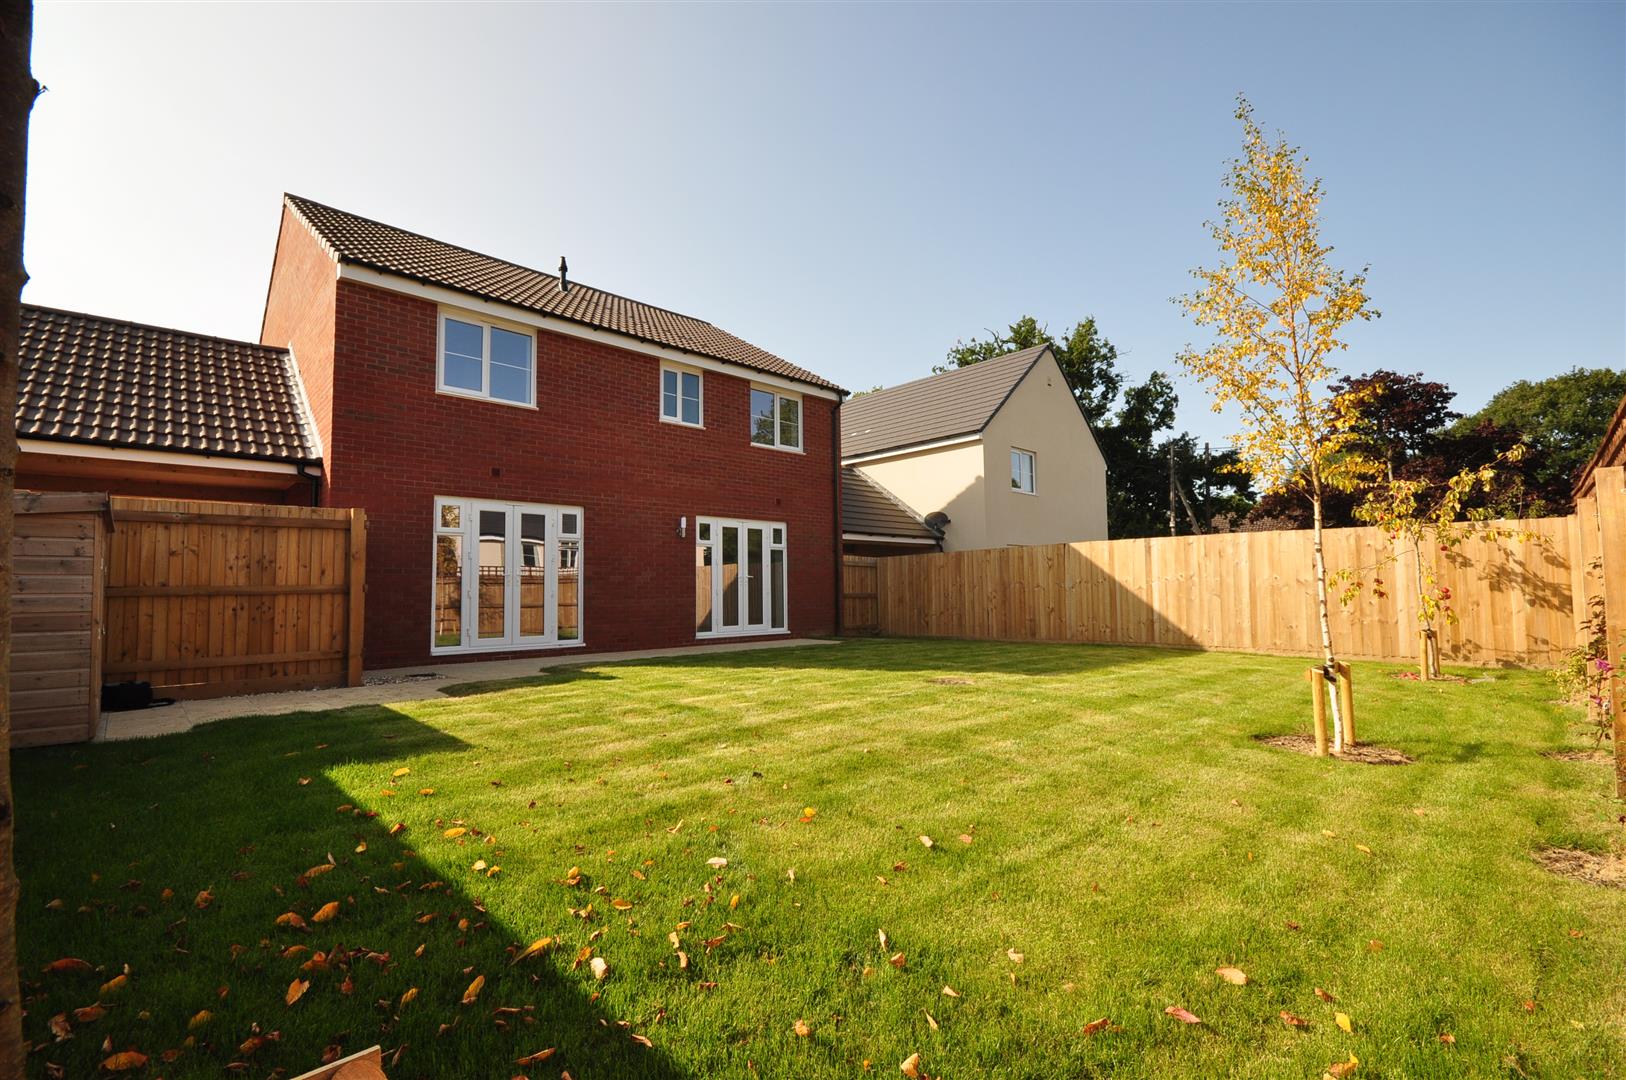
[[1277, 309]]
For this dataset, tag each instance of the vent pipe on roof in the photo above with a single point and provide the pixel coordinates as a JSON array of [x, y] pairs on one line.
[[564, 275]]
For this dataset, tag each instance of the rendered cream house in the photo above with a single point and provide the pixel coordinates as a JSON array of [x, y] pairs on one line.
[[984, 456]]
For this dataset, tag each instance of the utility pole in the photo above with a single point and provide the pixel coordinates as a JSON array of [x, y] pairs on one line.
[[1172, 495]]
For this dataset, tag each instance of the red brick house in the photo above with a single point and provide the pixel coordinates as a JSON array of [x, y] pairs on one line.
[[545, 465]]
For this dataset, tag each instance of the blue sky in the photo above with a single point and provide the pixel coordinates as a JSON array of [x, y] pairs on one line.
[[856, 187]]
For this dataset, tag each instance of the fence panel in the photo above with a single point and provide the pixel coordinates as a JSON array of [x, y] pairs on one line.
[[205, 599], [859, 612], [1252, 592]]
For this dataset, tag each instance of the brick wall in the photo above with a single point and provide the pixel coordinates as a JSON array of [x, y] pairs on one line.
[[595, 441], [299, 313]]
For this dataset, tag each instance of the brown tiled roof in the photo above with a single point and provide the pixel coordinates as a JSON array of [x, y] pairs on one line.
[[868, 508], [958, 402], [1611, 451], [364, 242], [86, 379]]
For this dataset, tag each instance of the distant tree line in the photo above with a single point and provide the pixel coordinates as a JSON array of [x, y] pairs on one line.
[[1405, 421]]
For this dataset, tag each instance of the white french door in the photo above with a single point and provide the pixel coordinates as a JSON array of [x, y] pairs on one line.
[[506, 575], [741, 578]]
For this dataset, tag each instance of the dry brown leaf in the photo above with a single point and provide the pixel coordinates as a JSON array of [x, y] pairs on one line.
[[89, 1014], [61, 1028], [398, 773], [1448, 1039], [114, 985], [1342, 1020], [965, 838], [1293, 1021], [473, 991], [537, 1058], [717, 863], [911, 1067], [885, 941], [398, 828], [600, 967], [621, 905], [1095, 1026], [293, 919], [408, 995], [1015, 957], [535, 948], [318, 870], [454, 832], [897, 960], [124, 1061], [361, 847], [931, 1021], [326, 912], [1363, 849], [67, 963], [199, 1019], [296, 990], [1324, 996], [203, 899], [683, 960], [1182, 1015], [949, 991], [1234, 976], [926, 841], [801, 1029], [1340, 1069], [641, 1040]]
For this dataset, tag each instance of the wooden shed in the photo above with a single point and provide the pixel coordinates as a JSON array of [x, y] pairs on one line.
[[58, 558]]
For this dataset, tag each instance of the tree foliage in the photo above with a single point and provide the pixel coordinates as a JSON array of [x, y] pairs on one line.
[[1562, 419], [1087, 358]]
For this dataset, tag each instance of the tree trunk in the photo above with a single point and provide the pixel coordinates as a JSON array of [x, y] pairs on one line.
[[17, 92], [1329, 661], [1427, 667]]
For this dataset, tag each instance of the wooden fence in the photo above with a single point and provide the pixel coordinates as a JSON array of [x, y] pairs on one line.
[[860, 602], [1251, 592], [205, 599]]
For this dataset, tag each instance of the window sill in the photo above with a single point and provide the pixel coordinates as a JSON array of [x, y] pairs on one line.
[[682, 423], [528, 647], [470, 395], [713, 634], [781, 449], [1019, 491]]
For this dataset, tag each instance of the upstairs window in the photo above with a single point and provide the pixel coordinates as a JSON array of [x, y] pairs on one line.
[[480, 359], [776, 419], [1022, 472], [680, 395]]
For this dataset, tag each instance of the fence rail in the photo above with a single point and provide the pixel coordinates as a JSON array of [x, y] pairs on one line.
[[1252, 592], [212, 598]]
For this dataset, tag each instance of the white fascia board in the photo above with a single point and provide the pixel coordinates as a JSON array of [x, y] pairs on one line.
[[905, 451], [525, 317], [158, 457], [874, 538]]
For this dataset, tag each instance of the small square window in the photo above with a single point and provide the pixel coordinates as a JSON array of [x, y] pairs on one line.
[[776, 419], [779, 536], [1022, 471], [567, 524], [482, 360], [451, 516], [680, 396]]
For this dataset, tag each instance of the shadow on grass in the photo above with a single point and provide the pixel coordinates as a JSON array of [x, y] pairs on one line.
[[559, 676], [176, 857]]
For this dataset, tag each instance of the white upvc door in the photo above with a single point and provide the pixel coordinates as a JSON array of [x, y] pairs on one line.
[[744, 578], [511, 561]]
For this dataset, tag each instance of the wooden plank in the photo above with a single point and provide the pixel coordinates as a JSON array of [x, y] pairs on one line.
[[226, 590], [235, 659], [181, 517]]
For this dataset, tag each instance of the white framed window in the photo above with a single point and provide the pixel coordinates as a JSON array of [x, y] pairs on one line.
[[776, 419], [681, 389], [1022, 472], [483, 359], [505, 576], [742, 578]]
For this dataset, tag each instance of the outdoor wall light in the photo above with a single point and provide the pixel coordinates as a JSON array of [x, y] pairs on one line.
[[683, 526]]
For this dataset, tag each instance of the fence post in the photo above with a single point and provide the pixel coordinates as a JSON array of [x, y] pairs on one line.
[[1611, 484], [356, 613]]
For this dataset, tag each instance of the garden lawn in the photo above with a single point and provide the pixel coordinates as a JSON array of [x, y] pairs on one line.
[[1105, 834]]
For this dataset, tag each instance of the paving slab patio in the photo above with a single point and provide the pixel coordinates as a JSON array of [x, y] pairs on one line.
[[388, 686]]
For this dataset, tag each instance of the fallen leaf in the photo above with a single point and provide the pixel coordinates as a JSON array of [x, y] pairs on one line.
[[1294, 1021], [949, 991], [114, 985], [717, 863], [408, 995], [926, 840], [1363, 848], [1324, 996], [61, 1028], [398, 828], [896, 960], [1232, 975], [1374, 945], [203, 899], [535, 948], [454, 832], [293, 919], [1182, 1015], [398, 773], [1016, 957], [801, 1029], [1340, 1069], [621, 905], [326, 912], [67, 963], [600, 967], [965, 838], [473, 991], [911, 1067], [537, 1058], [361, 847], [641, 1040], [426, 791], [1095, 1026], [733, 902], [124, 1061], [931, 1020], [1342, 1020], [1448, 1039], [199, 1019], [296, 990]]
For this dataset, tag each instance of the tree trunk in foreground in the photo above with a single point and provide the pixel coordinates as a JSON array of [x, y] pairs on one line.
[[1329, 661], [17, 92]]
